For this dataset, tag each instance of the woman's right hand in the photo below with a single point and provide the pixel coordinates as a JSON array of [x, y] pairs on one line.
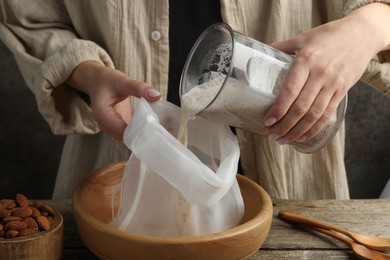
[[109, 91]]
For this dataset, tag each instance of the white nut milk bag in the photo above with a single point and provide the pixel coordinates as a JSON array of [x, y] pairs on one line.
[[169, 189]]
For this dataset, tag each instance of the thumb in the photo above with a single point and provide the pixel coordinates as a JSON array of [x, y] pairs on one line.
[[138, 89]]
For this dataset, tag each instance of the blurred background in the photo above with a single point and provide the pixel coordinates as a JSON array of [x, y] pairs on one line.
[[30, 153]]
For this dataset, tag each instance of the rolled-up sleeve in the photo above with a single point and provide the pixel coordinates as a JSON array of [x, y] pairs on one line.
[[377, 73], [355, 4], [46, 47]]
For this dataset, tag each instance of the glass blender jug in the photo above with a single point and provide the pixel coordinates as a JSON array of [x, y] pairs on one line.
[[235, 79]]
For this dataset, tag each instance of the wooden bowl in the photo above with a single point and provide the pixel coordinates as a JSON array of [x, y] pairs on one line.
[[44, 245], [92, 211]]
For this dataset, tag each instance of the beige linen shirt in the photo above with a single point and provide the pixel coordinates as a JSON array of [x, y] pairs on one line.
[[50, 38]]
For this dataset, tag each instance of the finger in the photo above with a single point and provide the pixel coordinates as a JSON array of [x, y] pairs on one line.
[[113, 119], [114, 114], [110, 121], [320, 110], [328, 119], [124, 110], [287, 46], [139, 89], [295, 80], [152, 94], [301, 106]]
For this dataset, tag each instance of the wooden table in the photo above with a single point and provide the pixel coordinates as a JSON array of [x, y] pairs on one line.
[[284, 240]]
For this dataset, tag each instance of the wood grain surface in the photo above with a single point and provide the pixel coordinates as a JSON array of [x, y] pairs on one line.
[[284, 241]]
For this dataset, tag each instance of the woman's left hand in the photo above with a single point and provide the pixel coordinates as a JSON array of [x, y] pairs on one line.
[[329, 60]]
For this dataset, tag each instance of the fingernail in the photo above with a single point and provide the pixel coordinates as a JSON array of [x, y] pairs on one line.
[[283, 140], [270, 121], [273, 137], [301, 139], [153, 93]]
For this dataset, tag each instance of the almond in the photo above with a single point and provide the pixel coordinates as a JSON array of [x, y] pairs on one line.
[[5, 213], [47, 209], [31, 223], [11, 233], [12, 205], [51, 220], [11, 218], [27, 232], [5, 202], [22, 212], [43, 222], [35, 212], [16, 225], [22, 200], [37, 203]]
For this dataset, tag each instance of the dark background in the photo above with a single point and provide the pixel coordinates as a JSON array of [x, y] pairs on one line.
[[30, 153]]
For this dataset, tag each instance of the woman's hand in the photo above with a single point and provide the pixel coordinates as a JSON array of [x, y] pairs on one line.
[[329, 60], [109, 92]]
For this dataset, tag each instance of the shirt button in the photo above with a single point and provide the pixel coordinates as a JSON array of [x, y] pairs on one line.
[[155, 35]]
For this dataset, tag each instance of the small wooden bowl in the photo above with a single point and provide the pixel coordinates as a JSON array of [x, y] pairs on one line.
[[92, 211], [44, 245]]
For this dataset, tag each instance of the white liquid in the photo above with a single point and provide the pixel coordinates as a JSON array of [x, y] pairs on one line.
[[240, 106]]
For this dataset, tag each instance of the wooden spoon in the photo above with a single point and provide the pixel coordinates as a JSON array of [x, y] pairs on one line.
[[376, 243], [361, 251]]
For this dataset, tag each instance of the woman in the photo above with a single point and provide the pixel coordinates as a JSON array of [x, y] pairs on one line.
[[83, 59]]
